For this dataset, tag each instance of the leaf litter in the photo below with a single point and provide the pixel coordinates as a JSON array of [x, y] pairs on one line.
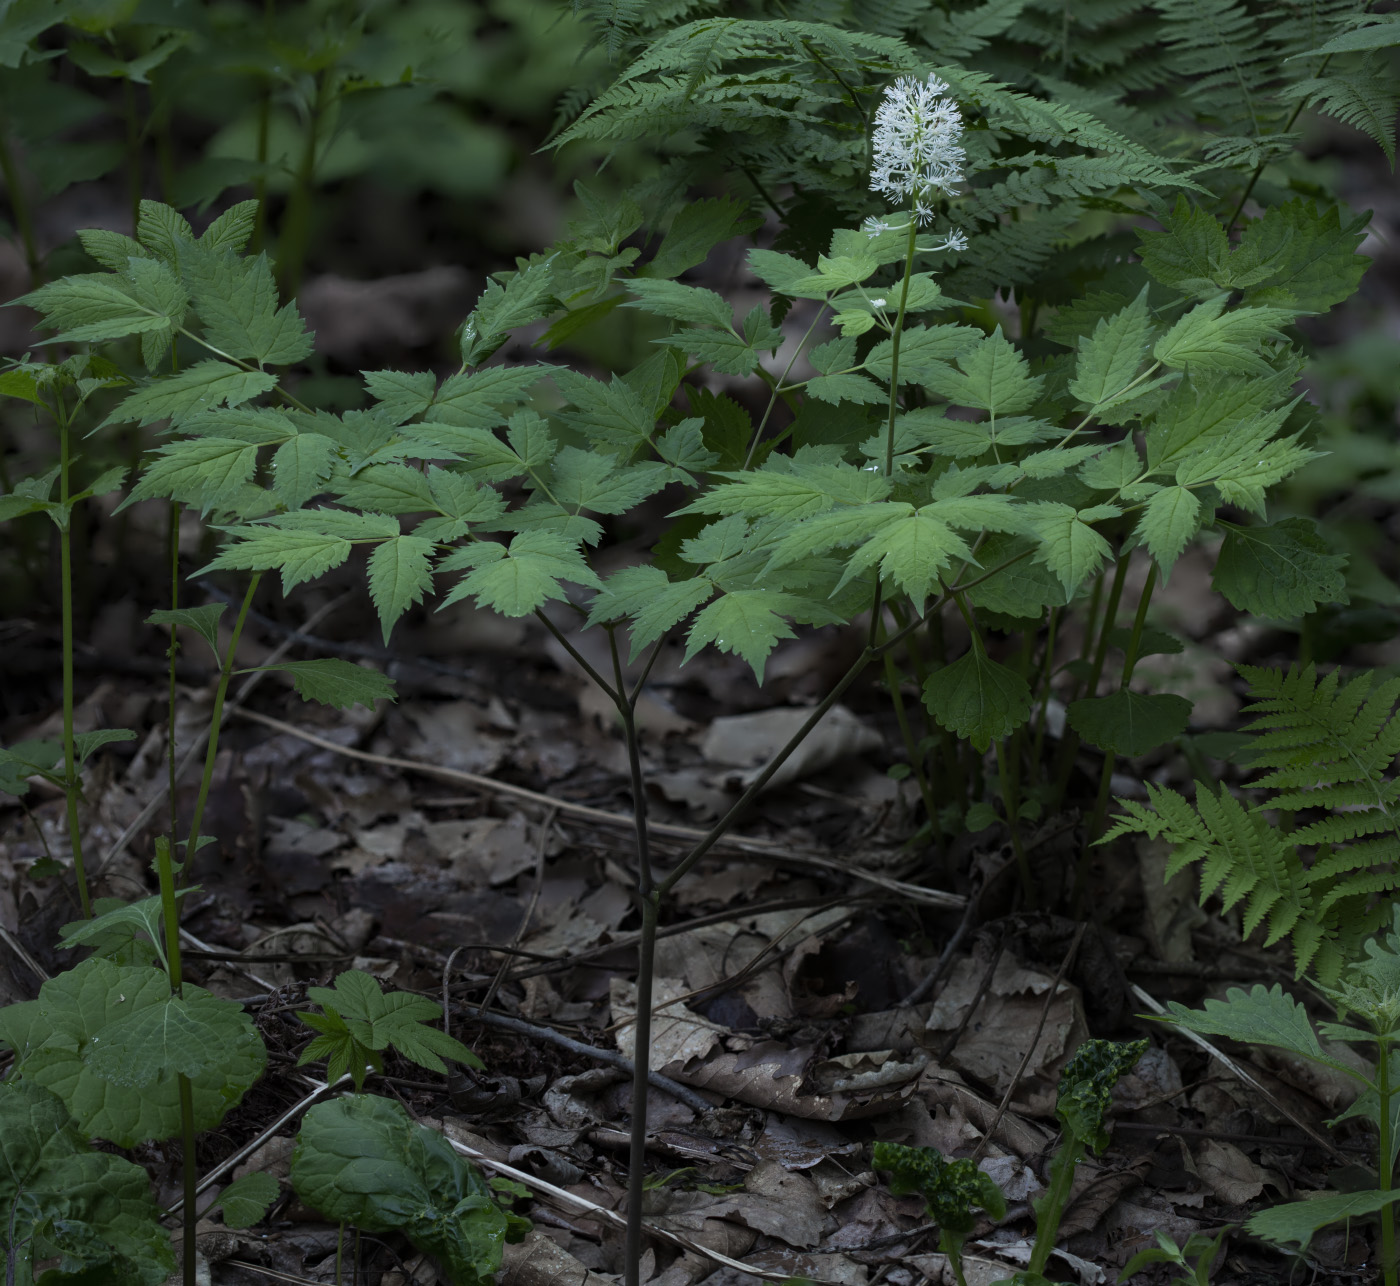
[[474, 843]]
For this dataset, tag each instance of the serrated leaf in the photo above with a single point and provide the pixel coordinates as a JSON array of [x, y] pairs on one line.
[[76, 1009], [334, 682], [402, 394], [400, 572], [197, 388], [201, 472], [181, 1035], [680, 303], [846, 387], [237, 301], [300, 468], [698, 227], [515, 581], [87, 743], [747, 623], [911, 552], [301, 555], [1069, 547], [91, 1211], [1260, 1016], [525, 296], [1311, 257], [805, 490], [1170, 520], [781, 272], [231, 230], [111, 249], [388, 489], [245, 1201], [1129, 723], [362, 1160], [1298, 1221], [93, 306], [652, 602], [1279, 571], [993, 377], [1109, 358], [163, 229], [1207, 338], [977, 698], [1190, 254], [475, 398], [580, 480]]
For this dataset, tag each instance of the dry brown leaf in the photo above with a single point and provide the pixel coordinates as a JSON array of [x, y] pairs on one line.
[[1231, 1175], [538, 1261], [749, 741], [678, 1036]]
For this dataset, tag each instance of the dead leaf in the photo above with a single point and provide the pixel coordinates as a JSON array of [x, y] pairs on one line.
[[1231, 1175], [749, 741], [678, 1036]]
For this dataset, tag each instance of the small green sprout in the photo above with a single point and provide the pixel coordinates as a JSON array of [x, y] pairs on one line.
[[951, 1188]]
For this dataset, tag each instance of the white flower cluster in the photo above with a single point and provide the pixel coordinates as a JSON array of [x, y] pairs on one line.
[[916, 145]]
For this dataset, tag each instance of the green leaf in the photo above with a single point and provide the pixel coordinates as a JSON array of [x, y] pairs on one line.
[[746, 622], [334, 682], [953, 1189], [474, 399], [994, 377], [1171, 518], [80, 1009], [203, 620], [300, 467], [515, 581], [1129, 723], [1208, 339], [1086, 1086], [1279, 571], [302, 555], [781, 272], [586, 480], [245, 1201], [87, 743], [93, 306], [699, 226], [911, 551], [26, 759], [1190, 254], [1312, 257], [680, 303], [163, 229], [231, 230], [977, 698], [788, 488], [378, 1019], [400, 571], [116, 932], [189, 1035], [1069, 547], [402, 394], [647, 597], [361, 1160], [237, 301], [202, 472], [1259, 1016], [91, 1211], [1298, 1221], [846, 388], [197, 388], [525, 297], [609, 415], [111, 249], [1109, 358]]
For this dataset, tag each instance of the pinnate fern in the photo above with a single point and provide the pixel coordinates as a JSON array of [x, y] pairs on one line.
[[1322, 746]]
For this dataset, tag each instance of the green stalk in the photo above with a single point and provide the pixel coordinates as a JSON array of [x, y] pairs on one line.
[[296, 224], [910, 250], [170, 917], [649, 899], [893, 678], [173, 535], [215, 718], [133, 151], [19, 207], [1069, 744], [1050, 1206], [1091, 832], [72, 783], [264, 127], [1385, 1171]]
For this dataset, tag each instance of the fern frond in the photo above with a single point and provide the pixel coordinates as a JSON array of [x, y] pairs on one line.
[[1364, 97]]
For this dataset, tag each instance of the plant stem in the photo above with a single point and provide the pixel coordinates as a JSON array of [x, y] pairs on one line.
[[72, 783], [1051, 1205], [264, 126], [133, 151], [173, 535], [296, 222], [19, 208], [1385, 1170], [1091, 832], [215, 718]]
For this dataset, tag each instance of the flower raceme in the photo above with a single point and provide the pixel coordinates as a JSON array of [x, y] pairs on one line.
[[916, 145]]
